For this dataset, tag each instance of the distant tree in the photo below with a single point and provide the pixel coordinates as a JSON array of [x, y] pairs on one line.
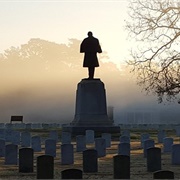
[[39, 56], [155, 26]]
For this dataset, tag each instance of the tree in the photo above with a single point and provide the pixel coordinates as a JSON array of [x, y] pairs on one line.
[[155, 26]]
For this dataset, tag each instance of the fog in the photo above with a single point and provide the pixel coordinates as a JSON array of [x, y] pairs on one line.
[[39, 81]]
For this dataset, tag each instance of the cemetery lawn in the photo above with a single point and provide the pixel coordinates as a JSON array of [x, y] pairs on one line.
[[105, 164]]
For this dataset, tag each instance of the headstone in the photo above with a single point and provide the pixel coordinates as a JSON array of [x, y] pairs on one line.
[[107, 137], [167, 144], [148, 144], [100, 146], [20, 125], [177, 131], [8, 126], [126, 132], [11, 154], [54, 135], [2, 147], [2, 125], [45, 167], [71, 174], [89, 136], [162, 174], [144, 137], [8, 135], [36, 126], [90, 161], [67, 154], [175, 156], [16, 137], [153, 159], [28, 126], [80, 143], [36, 143], [2, 133], [26, 160], [124, 139], [161, 136], [121, 167], [50, 147], [25, 139], [124, 149], [66, 138]]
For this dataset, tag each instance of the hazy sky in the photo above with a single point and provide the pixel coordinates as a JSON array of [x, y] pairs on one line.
[[58, 20]]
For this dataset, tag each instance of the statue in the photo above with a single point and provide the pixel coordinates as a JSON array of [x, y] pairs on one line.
[[90, 46]]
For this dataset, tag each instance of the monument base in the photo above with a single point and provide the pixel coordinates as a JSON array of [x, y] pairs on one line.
[[81, 130], [91, 109]]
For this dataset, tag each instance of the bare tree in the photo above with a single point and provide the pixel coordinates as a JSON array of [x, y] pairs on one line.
[[155, 26]]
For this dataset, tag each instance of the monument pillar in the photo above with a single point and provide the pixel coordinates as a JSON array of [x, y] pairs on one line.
[[91, 108]]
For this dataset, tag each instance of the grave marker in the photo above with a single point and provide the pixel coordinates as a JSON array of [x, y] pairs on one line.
[[2, 147], [124, 139], [124, 149], [167, 144], [89, 136], [100, 146], [11, 154], [175, 156], [90, 161], [36, 143], [80, 143], [54, 135], [67, 154], [71, 174], [45, 167], [148, 144], [144, 137], [107, 137], [161, 136], [26, 158], [121, 167], [25, 139], [66, 138], [153, 159], [16, 136], [50, 147], [162, 174]]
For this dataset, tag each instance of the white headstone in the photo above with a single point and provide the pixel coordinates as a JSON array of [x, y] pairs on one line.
[[100, 146], [36, 143], [67, 154], [89, 136], [11, 154], [26, 139], [80, 143], [107, 137], [66, 138], [50, 147]]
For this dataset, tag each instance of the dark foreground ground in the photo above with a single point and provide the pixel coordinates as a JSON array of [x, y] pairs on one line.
[[105, 164]]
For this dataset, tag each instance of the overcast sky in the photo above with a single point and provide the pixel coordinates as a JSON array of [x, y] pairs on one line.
[[58, 20]]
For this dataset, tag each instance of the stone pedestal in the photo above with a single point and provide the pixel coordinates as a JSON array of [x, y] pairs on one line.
[[91, 106], [91, 109]]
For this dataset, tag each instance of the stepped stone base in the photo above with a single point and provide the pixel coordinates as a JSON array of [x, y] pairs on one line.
[[91, 109]]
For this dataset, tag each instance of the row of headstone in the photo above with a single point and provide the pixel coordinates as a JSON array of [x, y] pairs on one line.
[[45, 163], [29, 125]]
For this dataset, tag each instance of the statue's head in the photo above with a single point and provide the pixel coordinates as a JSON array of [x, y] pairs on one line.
[[90, 34]]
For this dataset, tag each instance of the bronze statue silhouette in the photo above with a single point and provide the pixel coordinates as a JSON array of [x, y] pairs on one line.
[[90, 46]]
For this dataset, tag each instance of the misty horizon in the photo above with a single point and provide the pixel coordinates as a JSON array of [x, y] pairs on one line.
[[39, 81]]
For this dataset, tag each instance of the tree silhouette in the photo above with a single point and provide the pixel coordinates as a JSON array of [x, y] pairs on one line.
[[39, 57], [155, 25]]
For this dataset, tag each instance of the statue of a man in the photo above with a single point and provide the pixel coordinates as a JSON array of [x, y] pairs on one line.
[[90, 46]]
